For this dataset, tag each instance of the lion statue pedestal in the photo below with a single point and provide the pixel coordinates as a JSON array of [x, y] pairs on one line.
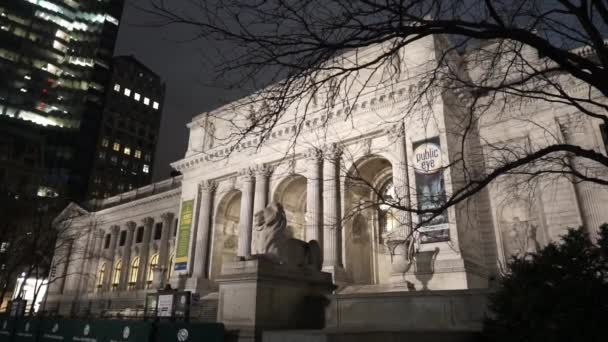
[[280, 288]]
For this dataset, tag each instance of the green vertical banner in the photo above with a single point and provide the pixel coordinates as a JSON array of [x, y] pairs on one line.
[[183, 237]]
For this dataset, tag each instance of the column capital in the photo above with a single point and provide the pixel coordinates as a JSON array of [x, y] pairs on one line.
[[314, 154], [131, 225], [263, 170], [167, 216], [207, 186], [147, 221], [332, 151], [100, 233], [114, 229], [247, 174], [395, 130]]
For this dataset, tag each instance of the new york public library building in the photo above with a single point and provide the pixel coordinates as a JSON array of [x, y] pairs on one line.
[[276, 235]]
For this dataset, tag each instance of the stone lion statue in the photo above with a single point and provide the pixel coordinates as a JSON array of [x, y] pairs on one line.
[[270, 240]]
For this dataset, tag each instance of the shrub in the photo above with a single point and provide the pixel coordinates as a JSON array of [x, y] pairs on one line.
[[559, 293]]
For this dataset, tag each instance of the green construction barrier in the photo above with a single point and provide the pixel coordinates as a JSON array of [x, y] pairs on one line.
[[124, 331], [55, 329], [95, 331], [7, 325], [26, 330], [189, 332]]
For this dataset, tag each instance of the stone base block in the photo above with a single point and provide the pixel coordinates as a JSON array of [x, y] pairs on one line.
[[256, 295]]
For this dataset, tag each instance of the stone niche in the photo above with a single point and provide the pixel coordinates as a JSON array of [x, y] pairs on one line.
[[257, 295]]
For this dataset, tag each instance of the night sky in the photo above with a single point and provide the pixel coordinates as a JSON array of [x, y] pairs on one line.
[[182, 65]]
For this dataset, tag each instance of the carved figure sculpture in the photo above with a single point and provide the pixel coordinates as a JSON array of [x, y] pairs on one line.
[[272, 240]]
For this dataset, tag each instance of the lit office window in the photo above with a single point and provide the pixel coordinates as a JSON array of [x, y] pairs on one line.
[[127, 92], [117, 87], [146, 101], [127, 151], [155, 105], [137, 154], [136, 96], [146, 168], [105, 142], [116, 146]]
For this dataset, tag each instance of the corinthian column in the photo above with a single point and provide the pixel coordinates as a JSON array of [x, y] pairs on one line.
[[201, 254], [262, 173], [314, 195], [163, 254], [95, 258], [332, 249], [148, 223], [246, 218], [126, 256], [401, 181], [110, 256]]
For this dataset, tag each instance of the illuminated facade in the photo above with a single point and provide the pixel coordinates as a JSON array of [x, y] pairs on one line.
[[54, 59]]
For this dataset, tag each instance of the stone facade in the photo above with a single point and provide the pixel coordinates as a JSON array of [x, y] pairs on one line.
[[346, 157]]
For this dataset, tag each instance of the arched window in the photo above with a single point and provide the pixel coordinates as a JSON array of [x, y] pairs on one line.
[[133, 272], [152, 266], [101, 274], [387, 215], [170, 270], [116, 275]]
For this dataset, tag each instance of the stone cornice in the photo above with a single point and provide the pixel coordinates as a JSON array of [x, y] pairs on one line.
[[373, 101], [142, 202]]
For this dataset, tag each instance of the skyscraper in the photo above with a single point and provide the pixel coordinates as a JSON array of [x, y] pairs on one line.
[[55, 57], [129, 131]]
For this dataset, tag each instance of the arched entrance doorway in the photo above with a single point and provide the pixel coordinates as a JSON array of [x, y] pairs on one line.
[[225, 231], [291, 193], [366, 221]]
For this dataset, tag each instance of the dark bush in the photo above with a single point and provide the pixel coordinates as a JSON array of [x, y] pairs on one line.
[[559, 293]]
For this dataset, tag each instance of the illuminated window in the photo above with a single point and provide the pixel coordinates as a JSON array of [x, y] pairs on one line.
[[146, 168], [134, 270], [155, 105], [23, 90], [101, 274], [146, 101], [152, 265], [127, 151], [137, 96], [116, 146], [117, 87], [105, 142], [127, 92], [137, 154], [116, 275]]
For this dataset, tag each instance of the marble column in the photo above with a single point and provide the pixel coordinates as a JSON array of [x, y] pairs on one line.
[[401, 182], [110, 257], [95, 258], [201, 255], [332, 236], [163, 250], [246, 216], [314, 195], [144, 256], [126, 256], [262, 173]]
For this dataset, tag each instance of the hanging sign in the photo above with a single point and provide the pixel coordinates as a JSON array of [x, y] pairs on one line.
[[430, 190], [183, 236]]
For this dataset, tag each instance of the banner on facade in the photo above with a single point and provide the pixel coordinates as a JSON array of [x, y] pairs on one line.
[[183, 236], [428, 162]]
